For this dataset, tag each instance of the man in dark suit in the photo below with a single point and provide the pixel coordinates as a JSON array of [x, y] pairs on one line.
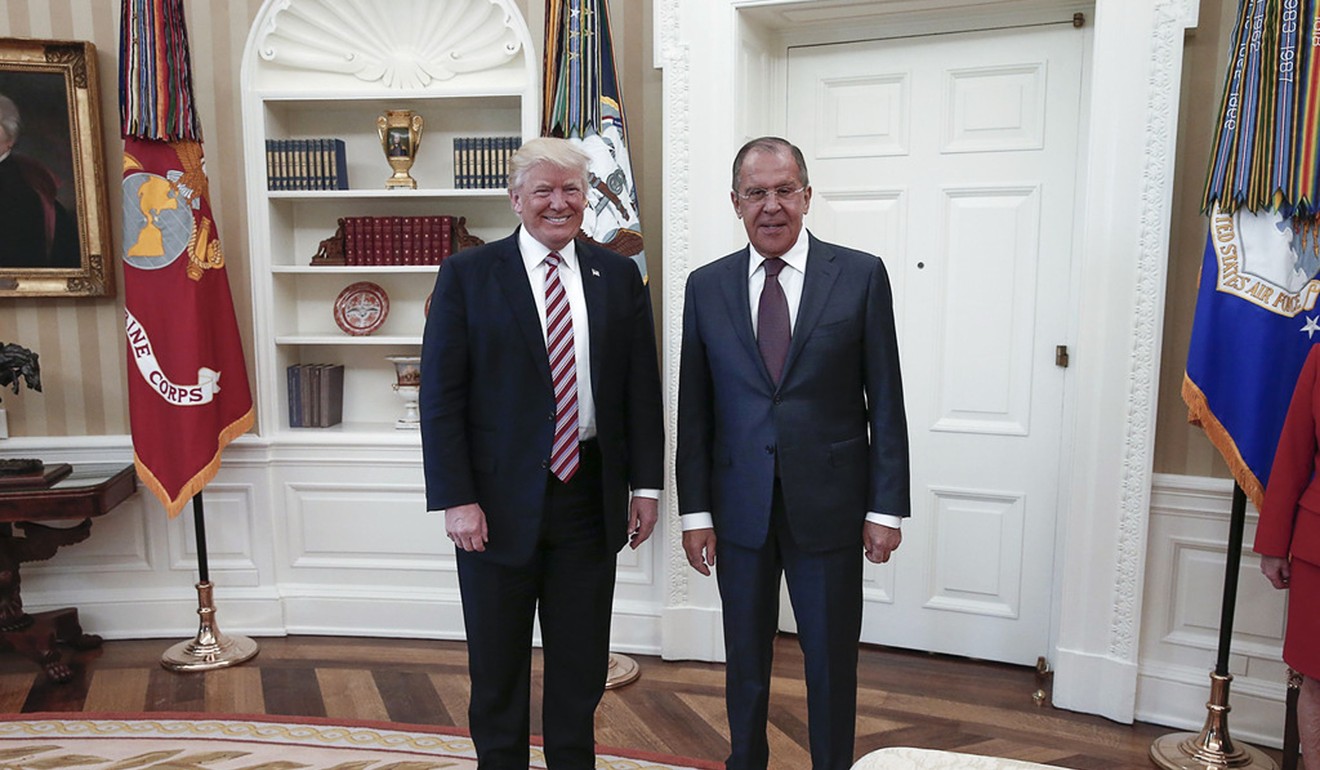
[[792, 448], [541, 409]]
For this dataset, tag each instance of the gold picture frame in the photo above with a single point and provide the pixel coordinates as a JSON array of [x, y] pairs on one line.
[[54, 220]]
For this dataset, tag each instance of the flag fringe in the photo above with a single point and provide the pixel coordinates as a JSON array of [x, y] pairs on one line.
[[203, 477], [1200, 414]]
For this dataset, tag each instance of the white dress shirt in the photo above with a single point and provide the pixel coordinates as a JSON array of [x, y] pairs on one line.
[[791, 278], [570, 275]]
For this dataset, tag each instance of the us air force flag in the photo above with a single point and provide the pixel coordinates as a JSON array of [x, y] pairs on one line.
[[582, 104], [1256, 319], [1256, 315]]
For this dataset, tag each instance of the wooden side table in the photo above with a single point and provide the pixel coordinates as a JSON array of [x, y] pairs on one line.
[[85, 492]]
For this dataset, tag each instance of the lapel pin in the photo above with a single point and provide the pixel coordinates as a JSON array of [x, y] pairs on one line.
[[595, 272]]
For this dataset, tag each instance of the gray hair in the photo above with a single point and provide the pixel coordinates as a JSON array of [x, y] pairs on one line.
[[771, 144], [546, 149], [10, 122]]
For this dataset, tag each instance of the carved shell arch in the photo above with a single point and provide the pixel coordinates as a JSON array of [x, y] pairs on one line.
[[401, 44]]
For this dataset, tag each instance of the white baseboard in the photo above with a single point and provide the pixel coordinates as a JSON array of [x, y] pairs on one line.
[[1176, 696], [172, 617], [1094, 684], [692, 633]]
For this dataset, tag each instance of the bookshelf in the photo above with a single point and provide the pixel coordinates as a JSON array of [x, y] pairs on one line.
[[468, 68]]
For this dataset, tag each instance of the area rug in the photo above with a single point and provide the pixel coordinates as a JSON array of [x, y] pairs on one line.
[[211, 742]]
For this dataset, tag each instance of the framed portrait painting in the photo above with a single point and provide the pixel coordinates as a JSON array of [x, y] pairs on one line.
[[54, 222]]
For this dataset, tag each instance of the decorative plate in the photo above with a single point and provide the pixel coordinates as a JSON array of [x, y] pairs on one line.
[[361, 308]]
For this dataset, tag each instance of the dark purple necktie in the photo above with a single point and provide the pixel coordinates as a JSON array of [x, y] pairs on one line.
[[772, 329]]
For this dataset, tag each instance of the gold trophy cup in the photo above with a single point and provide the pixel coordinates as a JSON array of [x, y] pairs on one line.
[[400, 137]]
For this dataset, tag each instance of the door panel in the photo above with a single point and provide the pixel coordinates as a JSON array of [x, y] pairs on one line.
[[953, 158]]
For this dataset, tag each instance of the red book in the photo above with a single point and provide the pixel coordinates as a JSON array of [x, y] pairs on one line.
[[350, 240], [446, 238], [418, 226], [427, 251], [377, 240], [395, 254], [362, 241], [406, 256]]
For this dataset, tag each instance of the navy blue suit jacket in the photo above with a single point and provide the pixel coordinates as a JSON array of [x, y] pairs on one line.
[[487, 401], [835, 423]]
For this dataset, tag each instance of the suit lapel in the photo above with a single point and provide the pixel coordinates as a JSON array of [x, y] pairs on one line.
[[739, 306], [593, 288], [512, 277], [816, 284]]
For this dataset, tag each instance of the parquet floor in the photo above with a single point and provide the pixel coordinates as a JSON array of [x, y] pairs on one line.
[[904, 698]]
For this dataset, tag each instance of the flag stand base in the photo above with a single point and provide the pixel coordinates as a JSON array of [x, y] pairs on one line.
[[210, 649], [623, 670], [1211, 749]]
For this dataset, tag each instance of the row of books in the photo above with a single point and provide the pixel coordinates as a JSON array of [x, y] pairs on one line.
[[316, 395], [306, 164], [482, 162], [396, 240]]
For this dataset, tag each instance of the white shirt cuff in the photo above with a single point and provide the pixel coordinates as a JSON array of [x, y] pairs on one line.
[[698, 520], [703, 520], [885, 519]]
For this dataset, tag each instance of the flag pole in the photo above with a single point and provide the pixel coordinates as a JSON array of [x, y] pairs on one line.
[[209, 649], [581, 102], [176, 291], [1212, 747]]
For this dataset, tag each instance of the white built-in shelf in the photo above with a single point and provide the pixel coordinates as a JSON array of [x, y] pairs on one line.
[[354, 269], [348, 339], [378, 432], [439, 193], [325, 69]]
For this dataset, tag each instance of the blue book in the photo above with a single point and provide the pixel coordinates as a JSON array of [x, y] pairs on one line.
[[316, 164], [269, 164], [339, 165], [295, 395]]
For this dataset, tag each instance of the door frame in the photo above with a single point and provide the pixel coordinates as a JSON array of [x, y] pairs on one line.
[[724, 74]]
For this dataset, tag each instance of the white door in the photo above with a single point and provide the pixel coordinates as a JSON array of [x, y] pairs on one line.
[[953, 157]]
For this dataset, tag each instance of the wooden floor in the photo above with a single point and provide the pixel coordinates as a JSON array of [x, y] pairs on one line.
[[904, 699]]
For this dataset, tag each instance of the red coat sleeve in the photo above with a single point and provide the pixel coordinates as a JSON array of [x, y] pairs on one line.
[[1294, 465]]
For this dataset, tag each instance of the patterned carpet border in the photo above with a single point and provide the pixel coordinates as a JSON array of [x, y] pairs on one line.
[[254, 742]]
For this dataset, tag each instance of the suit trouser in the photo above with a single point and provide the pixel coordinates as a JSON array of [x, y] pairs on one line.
[[569, 583], [826, 592]]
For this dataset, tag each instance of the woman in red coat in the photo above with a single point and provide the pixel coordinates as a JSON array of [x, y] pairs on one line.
[[1288, 541]]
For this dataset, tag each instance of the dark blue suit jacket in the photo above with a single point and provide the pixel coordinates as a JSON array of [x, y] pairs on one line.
[[487, 402], [835, 422]]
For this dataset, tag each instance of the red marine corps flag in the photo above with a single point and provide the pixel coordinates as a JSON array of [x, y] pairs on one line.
[[187, 382]]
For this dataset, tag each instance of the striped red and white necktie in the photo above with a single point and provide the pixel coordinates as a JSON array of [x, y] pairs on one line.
[[564, 457]]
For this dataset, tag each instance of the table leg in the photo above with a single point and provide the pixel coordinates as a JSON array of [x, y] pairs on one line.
[[40, 641], [37, 636]]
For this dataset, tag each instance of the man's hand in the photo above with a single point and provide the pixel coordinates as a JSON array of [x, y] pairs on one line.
[[466, 526], [880, 541], [700, 547], [1277, 569], [643, 512]]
